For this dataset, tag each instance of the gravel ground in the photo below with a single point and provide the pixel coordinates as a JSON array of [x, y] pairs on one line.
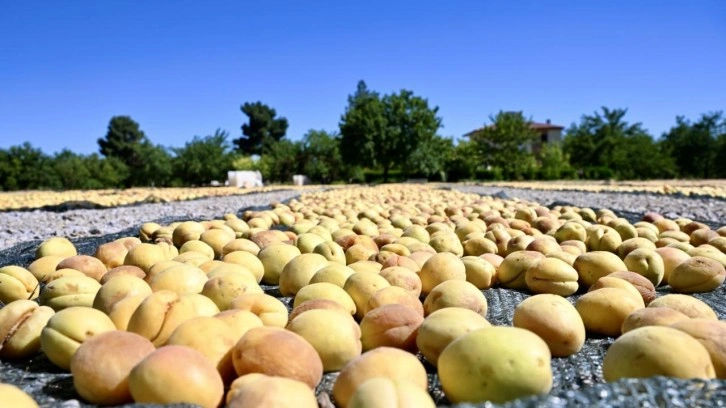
[[22, 226]]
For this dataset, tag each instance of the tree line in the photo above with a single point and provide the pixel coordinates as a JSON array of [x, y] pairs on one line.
[[380, 138]]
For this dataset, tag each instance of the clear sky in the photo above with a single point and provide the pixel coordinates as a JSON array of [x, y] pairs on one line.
[[183, 68]]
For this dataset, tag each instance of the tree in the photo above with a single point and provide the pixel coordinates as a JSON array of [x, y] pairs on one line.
[[203, 159], [643, 158], [607, 144], [720, 170], [430, 158], [25, 167], [148, 165], [593, 141], [122, 138], [554, 163], [462, 163], [109, 172], [502, 145], [695, 147], [281, 161], [384, 131], [154, 168], [321, 155], [362, 119], [241, 162], [8, 172], [262, 130], [72, 170], [79, 172]]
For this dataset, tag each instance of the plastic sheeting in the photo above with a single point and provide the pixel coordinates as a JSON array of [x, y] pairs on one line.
[[577, 380]]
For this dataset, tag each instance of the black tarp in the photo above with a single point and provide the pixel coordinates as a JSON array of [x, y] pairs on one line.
[[577, 380]]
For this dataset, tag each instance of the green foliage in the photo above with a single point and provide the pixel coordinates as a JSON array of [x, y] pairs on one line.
[[528, 168], [262, 130], [79, 172], [109, 172], [382, 138], [720, 168], [608, 141], [26, 168], [376, 176], [598, 173], [463, 162], [122, 138], [503, 144], [641, 158], [430, 158], [153, 168], [385, 131], [321, 157], [698, 148], [363, 118], [355, 174], [203, 159], [554, 163], [241, 162], [147, 164], [490, 174], [281, 161], [72, 169]]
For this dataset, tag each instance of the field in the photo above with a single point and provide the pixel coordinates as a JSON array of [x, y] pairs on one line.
[[112, 198], [383, 260]]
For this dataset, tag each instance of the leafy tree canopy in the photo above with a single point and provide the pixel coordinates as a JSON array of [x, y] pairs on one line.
[[321, 155], [385, 131], [122, 138], [607, 140], [554, 163], [431, 157], [594, 141], [698, 148], [204, 159], [502, 144], [262, 130], [72, 169], [362, 119], [463, 161], [109, 172], [25, 167], [154, 168], [281, 161], [147, 164]]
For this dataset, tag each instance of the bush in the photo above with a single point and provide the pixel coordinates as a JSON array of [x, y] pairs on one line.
[[376, 176], [598, 173], [492, 174]]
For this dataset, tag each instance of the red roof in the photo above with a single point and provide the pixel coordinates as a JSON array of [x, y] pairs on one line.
[[534, 125], [545, 126]]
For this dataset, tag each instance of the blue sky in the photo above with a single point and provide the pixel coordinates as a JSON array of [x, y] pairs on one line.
[[183, 68]]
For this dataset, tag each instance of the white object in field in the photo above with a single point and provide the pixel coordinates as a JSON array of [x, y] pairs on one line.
[[300, 180], [244, 178]]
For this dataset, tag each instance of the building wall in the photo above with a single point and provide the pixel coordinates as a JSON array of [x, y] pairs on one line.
[[554, 136]]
